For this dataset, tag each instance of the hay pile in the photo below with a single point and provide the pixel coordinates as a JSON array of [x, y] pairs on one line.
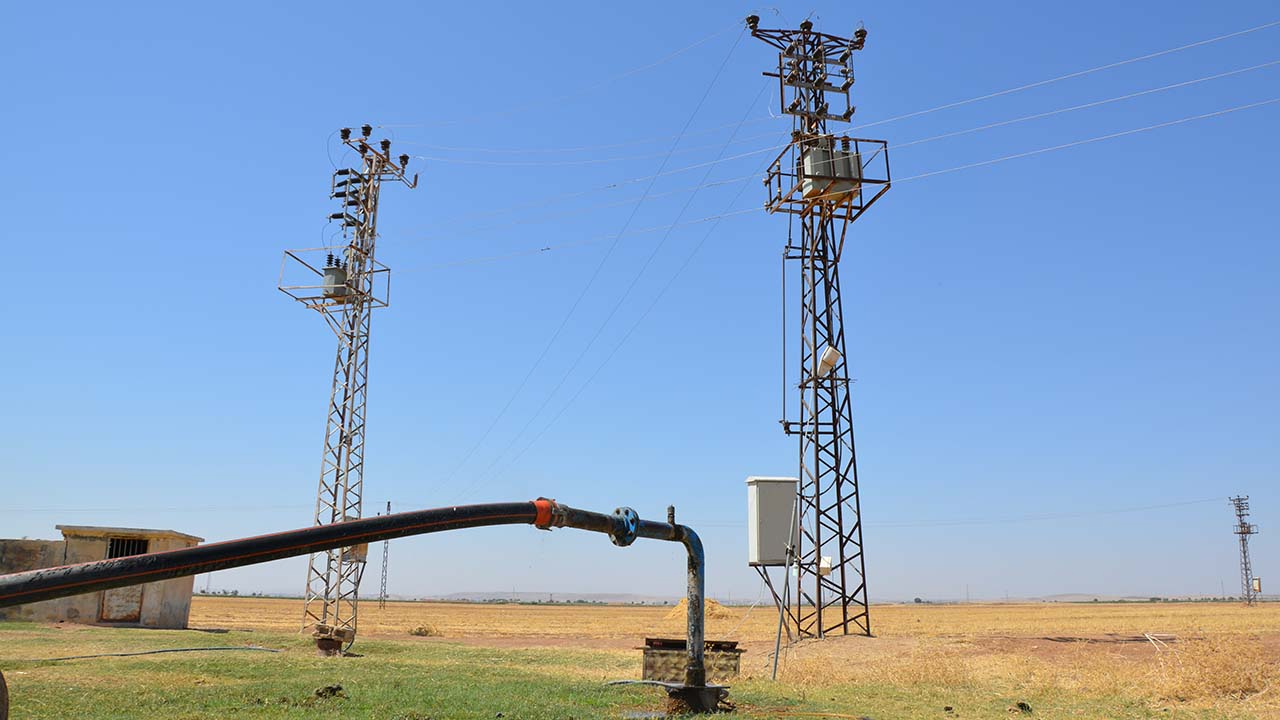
[[712, 609]]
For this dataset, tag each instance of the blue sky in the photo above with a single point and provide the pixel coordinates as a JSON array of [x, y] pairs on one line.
[[1069, 334]]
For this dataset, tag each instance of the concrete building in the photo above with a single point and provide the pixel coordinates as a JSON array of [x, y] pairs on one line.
[[164, 604]]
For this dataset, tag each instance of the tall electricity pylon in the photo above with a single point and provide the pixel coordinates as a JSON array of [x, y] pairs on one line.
[[1244, 529], [386, 552], [826, 182], [348, 284]]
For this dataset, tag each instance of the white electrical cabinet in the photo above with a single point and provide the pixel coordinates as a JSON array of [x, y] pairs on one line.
[[771, 503]]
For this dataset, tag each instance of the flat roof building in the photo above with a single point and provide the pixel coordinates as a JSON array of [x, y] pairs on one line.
[[163, 604]]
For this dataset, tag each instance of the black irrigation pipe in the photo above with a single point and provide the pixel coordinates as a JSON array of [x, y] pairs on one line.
[[623, 526], [248, 648]]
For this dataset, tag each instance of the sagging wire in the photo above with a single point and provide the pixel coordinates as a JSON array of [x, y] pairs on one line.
[[1087, 105], [600, 366], [932, 173], [639, 320], [599, 266], [584, 91], [1068, 76], [621, 300]]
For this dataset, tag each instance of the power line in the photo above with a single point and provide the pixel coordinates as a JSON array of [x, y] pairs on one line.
[[598, 269], [550, 248], [1099, 138], [1085, 106], [916, 113], [978, 98], [618, 305], [898, 146], [1068, 76], [595, 161], [1042, 516], [584, 91], [887, 524], [590, 161], [578, 243], [713, 130], [1008, 519], [1063, 146]]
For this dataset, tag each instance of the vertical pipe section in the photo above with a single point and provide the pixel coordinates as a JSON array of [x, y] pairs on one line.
[[623, 527], [695, 673]]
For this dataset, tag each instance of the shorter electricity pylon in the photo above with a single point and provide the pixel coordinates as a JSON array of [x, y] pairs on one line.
[[1250, 587], [386, 551], [345, 282]]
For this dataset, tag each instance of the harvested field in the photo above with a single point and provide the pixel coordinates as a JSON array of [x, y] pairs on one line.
[[1221, 657], [550, 661]]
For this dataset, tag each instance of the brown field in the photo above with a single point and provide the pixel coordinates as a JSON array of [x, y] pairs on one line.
[[1225, 658]]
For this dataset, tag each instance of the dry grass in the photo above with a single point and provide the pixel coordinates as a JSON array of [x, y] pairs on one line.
[[890, 621], [1218, 667], [1225, 658]]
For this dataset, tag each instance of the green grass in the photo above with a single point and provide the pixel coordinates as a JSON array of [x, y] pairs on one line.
[[413, 679]]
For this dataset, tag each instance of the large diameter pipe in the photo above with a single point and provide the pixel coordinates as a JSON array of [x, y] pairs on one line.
[[56, 582], [623, 527]]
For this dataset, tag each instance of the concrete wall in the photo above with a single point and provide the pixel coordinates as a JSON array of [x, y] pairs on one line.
[[22, 555], [165, 604]]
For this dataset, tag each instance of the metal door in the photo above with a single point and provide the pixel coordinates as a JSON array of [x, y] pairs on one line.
[[121, 605]]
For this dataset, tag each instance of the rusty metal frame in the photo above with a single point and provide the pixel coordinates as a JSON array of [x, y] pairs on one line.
[[322, 297], [785, 177], [829, 508]]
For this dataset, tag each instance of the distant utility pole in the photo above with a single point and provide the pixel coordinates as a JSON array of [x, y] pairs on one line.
[[344, 283], [825, 182], [386, 550], [1250, 587]]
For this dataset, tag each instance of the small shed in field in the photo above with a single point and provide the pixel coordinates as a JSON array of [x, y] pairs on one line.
[[163, 604]]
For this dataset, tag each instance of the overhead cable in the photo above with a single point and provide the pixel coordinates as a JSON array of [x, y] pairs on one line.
[[1068, 76], [625, 294], [584, 91], [600, 366], [598, 269]]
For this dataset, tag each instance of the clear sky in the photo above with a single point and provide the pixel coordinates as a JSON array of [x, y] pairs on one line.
[[1038, 344]]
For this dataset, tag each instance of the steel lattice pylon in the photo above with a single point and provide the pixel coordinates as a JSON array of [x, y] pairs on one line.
[[346, 294], [827, 182], [386, 553], [1244, 529]]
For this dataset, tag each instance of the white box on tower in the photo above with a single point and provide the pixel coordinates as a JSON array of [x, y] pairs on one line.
[[771, 505]]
